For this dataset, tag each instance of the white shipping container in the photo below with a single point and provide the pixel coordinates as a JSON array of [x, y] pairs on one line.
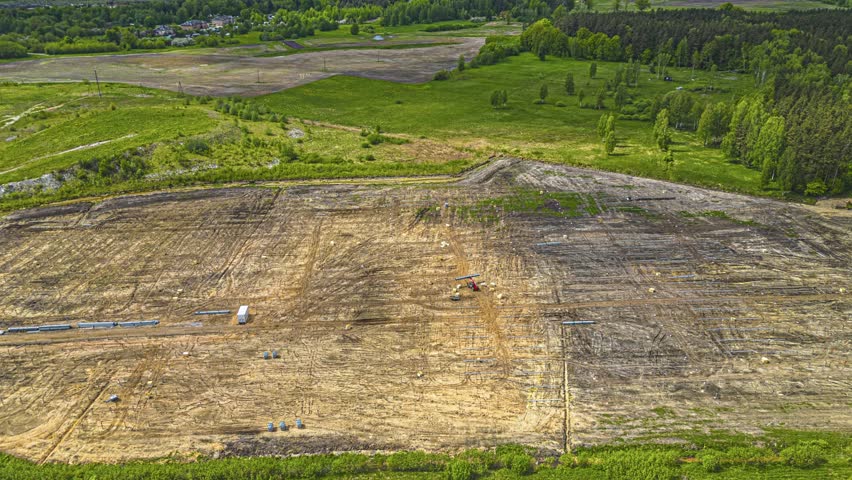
[[242, 314]]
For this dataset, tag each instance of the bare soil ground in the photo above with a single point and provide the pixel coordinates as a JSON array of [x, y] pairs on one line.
[[223, 74], [747, 325]]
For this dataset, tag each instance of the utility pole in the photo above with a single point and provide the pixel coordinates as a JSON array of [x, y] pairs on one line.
[[98, 82]]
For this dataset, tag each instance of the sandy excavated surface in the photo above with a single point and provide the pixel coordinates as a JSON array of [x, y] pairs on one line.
[[227, 74], [747, 326]]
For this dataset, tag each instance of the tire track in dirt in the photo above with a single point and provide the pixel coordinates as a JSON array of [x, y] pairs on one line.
[[488, 312], [105, 378]]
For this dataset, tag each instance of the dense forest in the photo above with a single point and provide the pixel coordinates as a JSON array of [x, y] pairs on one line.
[[795, 129]]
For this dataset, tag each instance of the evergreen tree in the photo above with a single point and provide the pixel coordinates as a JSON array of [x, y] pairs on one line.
[[620, 96], [602, 126], [609, 143], [736, 130], [599, 100], [569, 84], [354, 29], [668, 160], [542, 93], [610, 124], [581, 94], [593, 70], [643, 5], [496, 98], [461, 63]]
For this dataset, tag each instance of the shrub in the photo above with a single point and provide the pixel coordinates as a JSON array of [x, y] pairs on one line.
[[197, 146], [441, 75], [375, 138], [711, 463], [415, 462], [519, 463], [641, 464], [816, 188], [481, 461], [460, 470], [568, 460], [350, 464], [750, 455], [805, 454]]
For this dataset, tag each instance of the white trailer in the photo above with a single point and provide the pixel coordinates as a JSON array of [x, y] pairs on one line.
[[242, 314]]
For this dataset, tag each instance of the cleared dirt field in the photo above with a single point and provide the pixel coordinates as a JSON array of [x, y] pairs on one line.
[[225, 73], [703, 320]]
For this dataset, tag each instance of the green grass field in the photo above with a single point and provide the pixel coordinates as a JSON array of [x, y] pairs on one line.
[[458, 111], [451, 123], [58, 127], [774, 455]]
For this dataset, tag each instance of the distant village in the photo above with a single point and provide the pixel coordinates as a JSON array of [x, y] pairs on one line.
[[183, 34]]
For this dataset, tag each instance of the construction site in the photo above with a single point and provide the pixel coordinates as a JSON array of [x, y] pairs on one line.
[[521, 302]]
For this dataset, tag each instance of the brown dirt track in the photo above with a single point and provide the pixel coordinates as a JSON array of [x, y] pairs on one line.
[[747, 327], [222, 74]]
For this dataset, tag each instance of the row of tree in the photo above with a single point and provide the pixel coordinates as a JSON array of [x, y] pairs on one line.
[[722, 37]]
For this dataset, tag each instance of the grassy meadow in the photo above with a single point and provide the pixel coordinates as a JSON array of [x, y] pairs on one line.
[[458, 111], [134, 139], [440, 127]]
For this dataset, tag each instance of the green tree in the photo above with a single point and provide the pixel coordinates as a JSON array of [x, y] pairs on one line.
[[662, 131], [581, 94], [682, 53], [542, 92], [354, 29], [768, 148], [816, 188], [496, 98], [668, 160], [12, 50], [593, 70], [620, 96], [643, 5], [569, 84], [705, 125], [753, 123], [559, 14], [599, 100], [609, 143], [602, 126], [736, 130], [461, 63]]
